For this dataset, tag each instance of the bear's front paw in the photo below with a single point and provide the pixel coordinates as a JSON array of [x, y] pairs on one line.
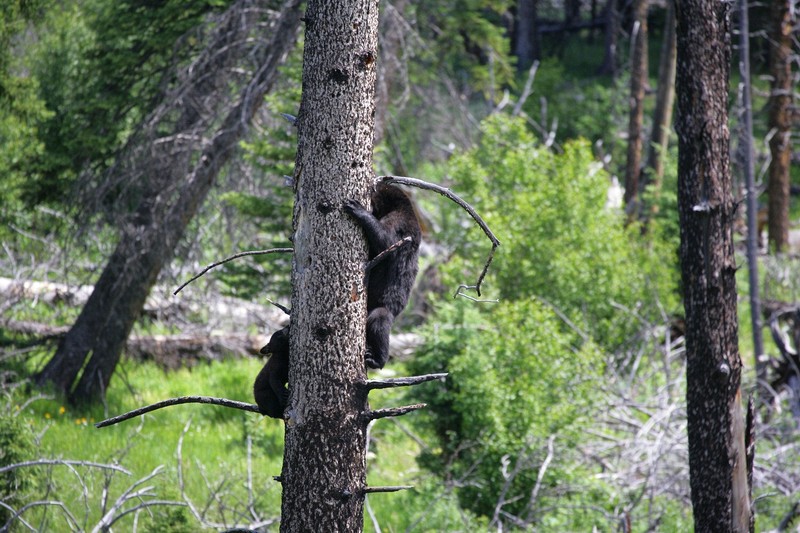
[[352, 207]]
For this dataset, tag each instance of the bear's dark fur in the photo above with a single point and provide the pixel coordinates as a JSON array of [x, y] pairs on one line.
[[269, 388], [391, 280], [389, 284]]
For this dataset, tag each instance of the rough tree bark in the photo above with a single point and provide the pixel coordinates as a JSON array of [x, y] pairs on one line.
[[780, 143], [633, 166], [324, 463], [717, 458], [170, 200]]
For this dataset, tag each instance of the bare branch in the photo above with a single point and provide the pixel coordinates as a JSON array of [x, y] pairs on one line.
[[381, 256], [281, 307], [70, 518], [542, 469], [233, 404], [526, 92], [39, 462], [114, 514], [231, 258], [790, 517], [390, 383], [394, 411], [414, 182], [471, 287], [395, 488]]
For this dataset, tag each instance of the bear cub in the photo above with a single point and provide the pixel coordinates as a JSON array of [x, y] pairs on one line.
[[389, 285]]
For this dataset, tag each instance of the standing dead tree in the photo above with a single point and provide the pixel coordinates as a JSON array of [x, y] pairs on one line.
[[639, 66], [748, 167], [715, 422], [166, 170], [784, 19]]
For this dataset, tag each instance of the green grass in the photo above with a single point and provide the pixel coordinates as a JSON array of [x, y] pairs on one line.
[[214, 450], [214, 446]]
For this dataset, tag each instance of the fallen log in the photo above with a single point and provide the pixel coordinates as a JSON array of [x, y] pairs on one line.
[[187, 349], [221, 312]]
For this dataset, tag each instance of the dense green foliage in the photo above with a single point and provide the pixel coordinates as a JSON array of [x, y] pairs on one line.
[[514, 380], [104, 63], [468, 35], [569, 277], [21, 109], [560, 242], [16, 446]]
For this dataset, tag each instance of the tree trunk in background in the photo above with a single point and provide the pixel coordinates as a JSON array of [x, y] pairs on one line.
[[572, 12], [526, 42], [748, 167], [639, 80], [170, 201], [324, 462], [392, 64], [715, 422], [780, 144], [612, 16], [662, 115]]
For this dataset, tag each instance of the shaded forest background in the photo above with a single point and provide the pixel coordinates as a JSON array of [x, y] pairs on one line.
[[565, 405]]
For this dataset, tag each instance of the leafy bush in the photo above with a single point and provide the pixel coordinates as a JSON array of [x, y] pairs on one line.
[[559, 241], [570, 278], [581, 107], [514, 380], [16, 446]]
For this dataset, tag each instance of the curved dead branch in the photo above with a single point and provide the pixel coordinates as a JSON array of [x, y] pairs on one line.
[[444, 191], [233, 404], [231, 258]]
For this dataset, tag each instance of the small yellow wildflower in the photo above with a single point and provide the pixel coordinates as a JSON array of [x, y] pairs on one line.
[[62, 410], [47, 416]]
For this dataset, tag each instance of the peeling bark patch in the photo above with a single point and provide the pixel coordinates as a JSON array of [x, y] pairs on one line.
[[339, 76]]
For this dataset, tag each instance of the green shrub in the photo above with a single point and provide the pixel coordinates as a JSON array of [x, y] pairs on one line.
[[16, 446], [559, 241], [573, 283], [514, 380]]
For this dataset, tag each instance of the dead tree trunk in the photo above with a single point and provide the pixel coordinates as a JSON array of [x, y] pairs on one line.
[[780, 144], [716, 428], [662, 115], [748, 167], [526, 43], [633, 167], [172, 195], [324, 463], [612, 25]]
